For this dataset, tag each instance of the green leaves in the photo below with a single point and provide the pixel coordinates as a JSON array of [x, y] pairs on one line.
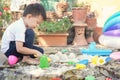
[[62, 25], [6, 13]]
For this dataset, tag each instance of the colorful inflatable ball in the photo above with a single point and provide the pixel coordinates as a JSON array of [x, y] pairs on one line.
[[110, 23], [111, 32], [114, 15], [114, 27]]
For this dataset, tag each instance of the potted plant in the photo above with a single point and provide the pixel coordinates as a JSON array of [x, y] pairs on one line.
[[54, 33], [5, 16], [5, 13], [1, 31]]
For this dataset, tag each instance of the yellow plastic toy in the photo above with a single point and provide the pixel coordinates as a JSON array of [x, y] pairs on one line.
[[94, 60], [49, 60], [80, 66], [98, 60], [101, 61]]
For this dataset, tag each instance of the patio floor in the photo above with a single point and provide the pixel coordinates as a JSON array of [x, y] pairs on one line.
[[62, 70]]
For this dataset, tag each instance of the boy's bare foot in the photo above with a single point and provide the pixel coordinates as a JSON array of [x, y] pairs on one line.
[[29, 60]]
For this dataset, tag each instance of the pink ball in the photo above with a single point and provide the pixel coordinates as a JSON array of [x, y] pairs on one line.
[[0, 13], [12, 60]]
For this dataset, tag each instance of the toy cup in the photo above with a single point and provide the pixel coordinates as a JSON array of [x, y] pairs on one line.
[[12, 60], [44, 62]]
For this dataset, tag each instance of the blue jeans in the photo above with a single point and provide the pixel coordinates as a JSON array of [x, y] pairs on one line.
[[29, 39]]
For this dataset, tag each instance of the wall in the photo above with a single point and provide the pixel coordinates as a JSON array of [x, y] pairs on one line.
[[104, 9]]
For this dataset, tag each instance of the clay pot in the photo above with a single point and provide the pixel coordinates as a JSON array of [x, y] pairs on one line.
[[91, 22], [89, 34], [79, 14], [97, 33], [52, 39]]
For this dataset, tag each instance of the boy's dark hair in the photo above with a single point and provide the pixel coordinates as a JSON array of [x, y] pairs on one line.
[[35, 9]]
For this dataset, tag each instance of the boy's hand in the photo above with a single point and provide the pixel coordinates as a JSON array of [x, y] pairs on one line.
[[35, 55], [38, 54]]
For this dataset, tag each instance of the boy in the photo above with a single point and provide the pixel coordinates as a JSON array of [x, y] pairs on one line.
[[18, 38]]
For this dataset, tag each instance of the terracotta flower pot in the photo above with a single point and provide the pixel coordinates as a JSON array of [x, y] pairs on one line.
[[79, 14], [52, 39], [89, 34], [91, 22], [97, 33]]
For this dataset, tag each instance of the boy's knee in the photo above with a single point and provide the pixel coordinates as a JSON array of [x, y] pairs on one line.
[[42, 51], [39, 49], [29, 32]]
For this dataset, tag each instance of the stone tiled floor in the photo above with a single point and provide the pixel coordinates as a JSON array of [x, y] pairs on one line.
[[33, 72]]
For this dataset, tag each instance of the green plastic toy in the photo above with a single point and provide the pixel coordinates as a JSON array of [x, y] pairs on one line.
[[64, 50], [44, 62], [71, 63], [90, 78]]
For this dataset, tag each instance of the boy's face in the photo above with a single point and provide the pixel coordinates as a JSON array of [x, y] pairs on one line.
[[34, 21]]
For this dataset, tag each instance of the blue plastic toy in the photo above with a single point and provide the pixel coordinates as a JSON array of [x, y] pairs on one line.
[[108, 59], [85, 61], [92, 50]]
